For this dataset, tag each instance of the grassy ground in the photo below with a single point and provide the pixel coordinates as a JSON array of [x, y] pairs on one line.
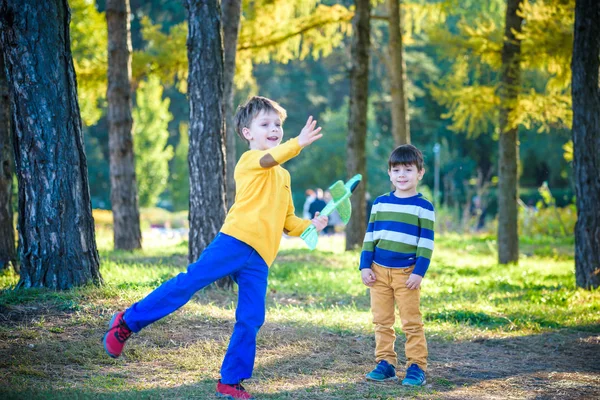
[[494, 331]]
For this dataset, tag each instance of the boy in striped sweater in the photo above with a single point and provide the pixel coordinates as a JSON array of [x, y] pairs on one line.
[[395, 256]]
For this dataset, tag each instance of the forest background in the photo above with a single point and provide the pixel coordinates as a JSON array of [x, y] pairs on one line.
[[451, 74]]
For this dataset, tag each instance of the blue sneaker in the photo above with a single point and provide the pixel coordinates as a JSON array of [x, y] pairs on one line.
[[415, 376], [383, 372]]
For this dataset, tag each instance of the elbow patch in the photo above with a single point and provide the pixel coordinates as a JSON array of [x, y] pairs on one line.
[[267, 161]]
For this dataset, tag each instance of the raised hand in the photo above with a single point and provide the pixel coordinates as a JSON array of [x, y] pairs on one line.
[[309, 134]]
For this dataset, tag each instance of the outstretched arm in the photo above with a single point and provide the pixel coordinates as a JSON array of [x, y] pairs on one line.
[[291, 148]]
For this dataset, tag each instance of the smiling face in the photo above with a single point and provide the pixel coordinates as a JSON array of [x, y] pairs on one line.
[[265, 131], [405, 179]]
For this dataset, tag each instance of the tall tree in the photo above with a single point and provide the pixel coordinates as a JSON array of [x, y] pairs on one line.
[[8, 254], [206, 152], [231, 12], [124, 199], [357, 119], [508, 147], [151, 119], [586, 141], [57, 247], [397, 72]]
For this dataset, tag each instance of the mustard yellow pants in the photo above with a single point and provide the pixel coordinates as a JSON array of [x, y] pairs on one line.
[[389, 289]]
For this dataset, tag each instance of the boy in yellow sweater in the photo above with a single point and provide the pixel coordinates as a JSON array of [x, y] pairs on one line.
[[244, 248]]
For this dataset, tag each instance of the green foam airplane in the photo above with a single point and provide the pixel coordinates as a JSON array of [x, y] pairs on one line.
[[340, 194]]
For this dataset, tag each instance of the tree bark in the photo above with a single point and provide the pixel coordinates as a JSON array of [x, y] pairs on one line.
[[508, 147], [586, 141], [8, 254], [400, 117], [357, 120], [123, 196], [231, 12], [206, 154], [57, 248]]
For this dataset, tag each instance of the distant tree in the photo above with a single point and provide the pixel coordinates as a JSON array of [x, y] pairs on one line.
[[90, 53], [231, 11], [57, 247], [586, 141], [8, 254], [357, 120], [207, 131], [469, 89], [305, 28], [508, 147], [179, 182], [151, 116], [124, 199], [397, 72]]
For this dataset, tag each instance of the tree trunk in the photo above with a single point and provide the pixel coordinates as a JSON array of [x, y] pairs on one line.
[[508, 147], [57, 248], [400, 118], [586, 141], [231, 12], [356, 162], [206, 154], [8, 254], [123, 196]]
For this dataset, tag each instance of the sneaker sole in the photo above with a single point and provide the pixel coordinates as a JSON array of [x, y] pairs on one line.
[[227, 396], [412, 384], [390, 379], [112, 321]]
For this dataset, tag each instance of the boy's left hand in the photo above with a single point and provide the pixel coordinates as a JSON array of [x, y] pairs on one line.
[[320, 222], [309, 134], [414, 281]]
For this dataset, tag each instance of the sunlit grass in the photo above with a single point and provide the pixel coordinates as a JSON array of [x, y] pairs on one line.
[[318, 339], [464, 287]]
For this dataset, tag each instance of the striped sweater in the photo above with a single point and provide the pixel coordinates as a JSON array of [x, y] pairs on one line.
[[400, 233]]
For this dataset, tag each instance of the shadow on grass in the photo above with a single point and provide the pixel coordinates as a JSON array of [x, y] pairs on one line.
[[295, 361]]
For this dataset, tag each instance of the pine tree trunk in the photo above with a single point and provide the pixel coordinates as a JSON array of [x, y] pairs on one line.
[[123, 196], [206, 155], [231, 12], [357, 120], [508, 147], [586, 141], [8, 255], [400, 118], [57, 248]]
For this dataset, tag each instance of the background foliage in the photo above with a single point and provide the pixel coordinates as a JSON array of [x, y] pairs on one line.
[[452, 51]]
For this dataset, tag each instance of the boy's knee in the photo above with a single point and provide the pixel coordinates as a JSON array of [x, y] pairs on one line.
[[412, 326], [253, 321]]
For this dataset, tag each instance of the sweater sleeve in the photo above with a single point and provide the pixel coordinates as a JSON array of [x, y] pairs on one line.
[[265, 159], [425, 244], [293, 225], [368, 249]]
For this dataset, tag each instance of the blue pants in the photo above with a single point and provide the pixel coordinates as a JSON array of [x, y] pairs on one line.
[[224, 256]]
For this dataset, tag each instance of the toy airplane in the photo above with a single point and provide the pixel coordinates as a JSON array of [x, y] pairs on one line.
[[340, 194]]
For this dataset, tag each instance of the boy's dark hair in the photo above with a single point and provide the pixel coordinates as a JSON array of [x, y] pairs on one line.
[[250, 109], [406, 154]]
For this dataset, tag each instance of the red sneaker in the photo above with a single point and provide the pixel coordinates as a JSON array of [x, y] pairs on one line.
[[236, 391], [116, 336]]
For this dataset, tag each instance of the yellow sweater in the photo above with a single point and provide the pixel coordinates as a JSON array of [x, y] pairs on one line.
[[263, 206]]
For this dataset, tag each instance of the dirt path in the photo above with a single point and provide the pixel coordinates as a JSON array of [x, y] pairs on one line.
[[41, 346]]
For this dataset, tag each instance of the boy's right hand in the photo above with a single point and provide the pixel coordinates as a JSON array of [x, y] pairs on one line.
[[368, 276], [309, 134]]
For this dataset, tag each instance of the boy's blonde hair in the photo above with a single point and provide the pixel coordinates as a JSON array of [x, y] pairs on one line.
[[246, 112]]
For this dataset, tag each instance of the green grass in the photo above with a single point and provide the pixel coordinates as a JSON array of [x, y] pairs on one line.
[[317, 342]]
